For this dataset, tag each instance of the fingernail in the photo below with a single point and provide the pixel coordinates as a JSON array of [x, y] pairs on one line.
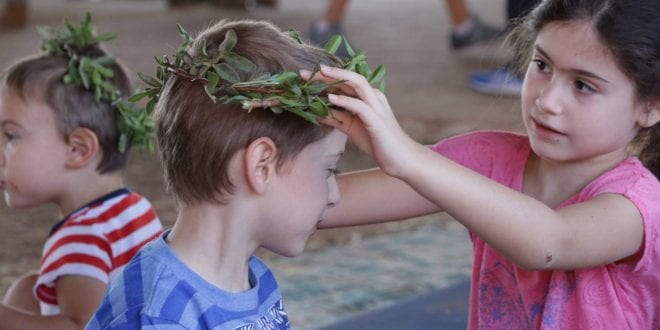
[[305, 73], [332, 97], [325, 68]]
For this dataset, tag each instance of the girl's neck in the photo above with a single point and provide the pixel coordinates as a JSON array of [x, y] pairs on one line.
[[215, 243], [553, 182]]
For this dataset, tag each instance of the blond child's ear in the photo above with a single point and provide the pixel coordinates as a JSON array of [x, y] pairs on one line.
[[83, 147], [651, 114], [260, 161]]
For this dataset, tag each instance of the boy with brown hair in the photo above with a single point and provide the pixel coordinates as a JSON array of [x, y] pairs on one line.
[[249, 167], [66, 131]]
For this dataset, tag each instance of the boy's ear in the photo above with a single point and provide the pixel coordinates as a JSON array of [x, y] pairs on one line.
[[83, 146], [260, 163], [651, 115]]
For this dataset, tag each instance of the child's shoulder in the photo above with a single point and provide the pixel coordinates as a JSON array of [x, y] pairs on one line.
[[629, 178], [485, 144], [118, 203]]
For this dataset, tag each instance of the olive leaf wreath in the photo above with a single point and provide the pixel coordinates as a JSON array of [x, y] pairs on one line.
[[94, 74], [279, 92]]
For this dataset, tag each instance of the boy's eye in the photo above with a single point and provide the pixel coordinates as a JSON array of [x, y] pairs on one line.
[[332, 171], [8, 136]]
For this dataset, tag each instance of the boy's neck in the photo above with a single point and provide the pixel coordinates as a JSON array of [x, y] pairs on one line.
[[216, 242], [84, 190]]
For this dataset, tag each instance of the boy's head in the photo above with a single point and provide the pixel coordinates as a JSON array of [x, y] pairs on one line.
[[197, 138], [40, 80]]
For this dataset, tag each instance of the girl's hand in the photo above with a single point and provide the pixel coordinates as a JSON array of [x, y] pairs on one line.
[[371, 125]]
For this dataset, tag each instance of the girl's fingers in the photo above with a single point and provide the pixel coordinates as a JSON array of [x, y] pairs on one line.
[[307, 75], [341, 120], [353, 105], [358, 82]]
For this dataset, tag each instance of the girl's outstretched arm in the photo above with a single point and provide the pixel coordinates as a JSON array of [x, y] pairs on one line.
[[371, 196], [606, 229]]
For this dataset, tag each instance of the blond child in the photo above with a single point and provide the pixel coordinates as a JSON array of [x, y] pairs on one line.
[[244, 178], [565, 219], [64, 143]]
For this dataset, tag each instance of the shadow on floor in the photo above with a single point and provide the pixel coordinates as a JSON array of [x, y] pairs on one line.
[[442, 309]]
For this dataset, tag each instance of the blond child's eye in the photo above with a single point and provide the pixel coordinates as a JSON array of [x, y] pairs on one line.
[[8, 136]]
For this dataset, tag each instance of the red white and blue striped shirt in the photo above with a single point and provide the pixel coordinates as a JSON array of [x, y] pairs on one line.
[[95, 241]]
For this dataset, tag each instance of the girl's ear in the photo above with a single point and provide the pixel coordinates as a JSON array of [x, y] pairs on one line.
[[83, 146], [651, 115], [260, 164]]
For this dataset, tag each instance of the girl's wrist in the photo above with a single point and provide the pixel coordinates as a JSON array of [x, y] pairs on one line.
[[409, 161]]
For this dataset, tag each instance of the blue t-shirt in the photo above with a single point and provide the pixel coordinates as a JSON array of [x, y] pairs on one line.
[[157, 291]]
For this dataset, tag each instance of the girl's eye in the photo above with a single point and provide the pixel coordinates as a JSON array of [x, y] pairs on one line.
[[332, 172], [584, 87]]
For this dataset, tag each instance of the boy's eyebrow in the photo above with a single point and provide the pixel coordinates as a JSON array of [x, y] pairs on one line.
[[8, 122], [576, 71], [337, 154]]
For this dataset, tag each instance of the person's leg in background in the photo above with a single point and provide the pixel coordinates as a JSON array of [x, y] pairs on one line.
[[14, 14], [503, 80], [329, 25], [467, 28]]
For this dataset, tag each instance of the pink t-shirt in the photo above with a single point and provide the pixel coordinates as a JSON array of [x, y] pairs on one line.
[[612, 296]]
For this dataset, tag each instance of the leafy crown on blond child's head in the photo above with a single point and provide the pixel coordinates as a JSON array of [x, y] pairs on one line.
[[218, 72]]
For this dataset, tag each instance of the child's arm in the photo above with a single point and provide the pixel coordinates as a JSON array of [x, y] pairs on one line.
[[381, 198], [606, 229], [78, 298]]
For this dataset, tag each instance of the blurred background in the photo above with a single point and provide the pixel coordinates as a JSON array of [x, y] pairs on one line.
[[344, 273]]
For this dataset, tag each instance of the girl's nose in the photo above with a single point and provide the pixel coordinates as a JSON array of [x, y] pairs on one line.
[[549, 99]]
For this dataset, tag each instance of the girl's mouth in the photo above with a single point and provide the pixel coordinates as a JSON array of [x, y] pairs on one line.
[[545, 131]]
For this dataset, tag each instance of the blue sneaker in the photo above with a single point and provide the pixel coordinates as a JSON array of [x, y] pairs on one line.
[[320, 34], [501, 81]]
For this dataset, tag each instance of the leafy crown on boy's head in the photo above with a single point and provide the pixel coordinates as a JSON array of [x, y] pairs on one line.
[[85, 88], [202, 91]]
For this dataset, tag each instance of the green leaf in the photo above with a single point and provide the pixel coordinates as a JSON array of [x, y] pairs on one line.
[[184, 35], [333, 44], [349, 49], [319, 109], [138, 96], [151, 81], [229, 42], [96, 77], [211, 85], [240, 62], [285, 77], [107, 36], [226, 72], [82, 71], [295, 35], [377, 75]]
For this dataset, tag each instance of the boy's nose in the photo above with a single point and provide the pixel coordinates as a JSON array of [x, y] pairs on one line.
[[333, 194]]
